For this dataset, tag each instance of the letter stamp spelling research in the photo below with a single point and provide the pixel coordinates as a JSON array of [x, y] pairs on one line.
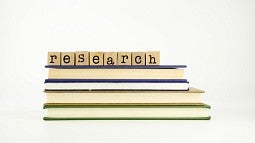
[[103, 58]]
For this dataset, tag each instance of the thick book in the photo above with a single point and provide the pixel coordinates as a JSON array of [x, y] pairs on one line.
[[192, 95], [116, 84], [126, 112], [116, 72]]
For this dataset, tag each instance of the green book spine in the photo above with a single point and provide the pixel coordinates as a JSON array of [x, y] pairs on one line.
[[52, 105], [129, 118]]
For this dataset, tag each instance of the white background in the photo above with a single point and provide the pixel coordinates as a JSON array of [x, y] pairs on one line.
[[216, 39]]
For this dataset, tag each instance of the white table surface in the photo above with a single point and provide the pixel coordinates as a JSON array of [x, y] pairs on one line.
[[226, 125]]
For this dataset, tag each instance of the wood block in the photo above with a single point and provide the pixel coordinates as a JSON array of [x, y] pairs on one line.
[[124, 58], [138, 58], [152, 58], [96, 58], [110, 58], [53, 58], [67, 58], [82, 58]]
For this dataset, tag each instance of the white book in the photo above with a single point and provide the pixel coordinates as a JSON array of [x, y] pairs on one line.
[[116, 84]]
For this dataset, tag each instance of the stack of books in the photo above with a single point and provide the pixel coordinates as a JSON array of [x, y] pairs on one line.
[[121, 92]]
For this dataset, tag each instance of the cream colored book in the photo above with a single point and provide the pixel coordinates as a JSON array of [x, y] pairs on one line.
[[193, 95], [126, 112], [117, 73]]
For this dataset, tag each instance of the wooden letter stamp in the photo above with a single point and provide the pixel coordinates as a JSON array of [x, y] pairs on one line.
[[110, 58], [82, 58], [138, 58], [124, 58], [96, 58], [67, 58], [152, 58], [54, 58]]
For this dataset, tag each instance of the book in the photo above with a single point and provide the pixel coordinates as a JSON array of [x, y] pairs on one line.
[[192, 95], [126, 112], [116, 72], [116, 84]]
